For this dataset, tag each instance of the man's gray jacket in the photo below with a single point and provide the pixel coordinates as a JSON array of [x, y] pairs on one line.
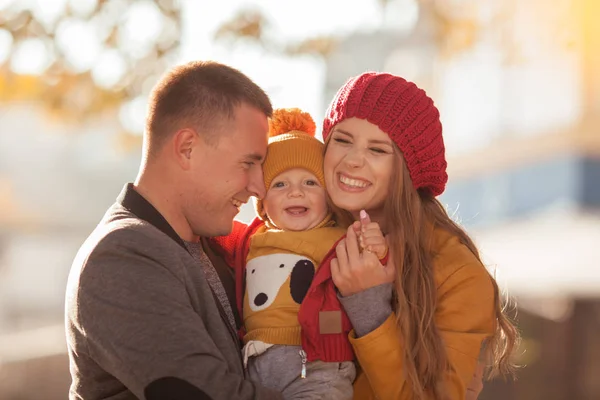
[[141, 319]]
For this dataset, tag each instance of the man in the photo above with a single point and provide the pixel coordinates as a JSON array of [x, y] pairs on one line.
[[148, 315]]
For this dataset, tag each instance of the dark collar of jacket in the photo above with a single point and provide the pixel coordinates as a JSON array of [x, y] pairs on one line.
[[134, 202], [138, 205]]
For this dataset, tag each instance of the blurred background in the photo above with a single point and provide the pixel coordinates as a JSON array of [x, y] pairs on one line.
[[517, 84]]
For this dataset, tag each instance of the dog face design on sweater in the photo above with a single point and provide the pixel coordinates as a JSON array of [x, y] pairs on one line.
[[277, 275]]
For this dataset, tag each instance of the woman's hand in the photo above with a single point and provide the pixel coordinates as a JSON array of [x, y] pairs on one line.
[[353, 271], [370, 237]]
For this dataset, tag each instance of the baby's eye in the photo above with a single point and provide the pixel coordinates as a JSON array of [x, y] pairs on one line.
[[278, 185], [312, 182]]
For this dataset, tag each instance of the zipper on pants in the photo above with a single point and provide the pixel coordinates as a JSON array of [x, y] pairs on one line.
[[303, 358]]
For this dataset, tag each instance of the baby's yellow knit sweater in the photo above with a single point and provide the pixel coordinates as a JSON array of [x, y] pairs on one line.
[[279, 271]]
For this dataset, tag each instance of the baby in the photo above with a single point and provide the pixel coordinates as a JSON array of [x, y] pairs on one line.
[[295, 330]]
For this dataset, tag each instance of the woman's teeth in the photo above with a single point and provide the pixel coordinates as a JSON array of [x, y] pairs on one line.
[[353, 182]]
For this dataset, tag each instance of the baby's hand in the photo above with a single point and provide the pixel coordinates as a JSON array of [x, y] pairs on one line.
[[370, 237]]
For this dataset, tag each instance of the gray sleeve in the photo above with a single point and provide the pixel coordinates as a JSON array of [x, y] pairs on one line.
[[140, 327], [368, 309]]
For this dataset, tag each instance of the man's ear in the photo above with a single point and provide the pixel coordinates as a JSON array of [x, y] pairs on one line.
[[184, 143]]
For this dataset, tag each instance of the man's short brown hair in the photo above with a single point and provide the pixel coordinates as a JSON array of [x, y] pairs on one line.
[[199, 95]]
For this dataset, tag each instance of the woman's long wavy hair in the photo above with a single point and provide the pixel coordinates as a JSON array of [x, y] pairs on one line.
[[408, 213]]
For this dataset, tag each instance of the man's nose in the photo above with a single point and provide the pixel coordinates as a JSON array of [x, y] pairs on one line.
[[256, 184]]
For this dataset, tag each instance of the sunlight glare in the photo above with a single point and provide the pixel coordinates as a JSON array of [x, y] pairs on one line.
[[109, 69], [48, 11], [132, 115], [77, 40], [83, 8], [142, 25], [6, 42], [30, 57]]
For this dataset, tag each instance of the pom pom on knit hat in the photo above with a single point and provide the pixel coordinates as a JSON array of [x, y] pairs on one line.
[[285, 120], [406, 114], [292, 144]]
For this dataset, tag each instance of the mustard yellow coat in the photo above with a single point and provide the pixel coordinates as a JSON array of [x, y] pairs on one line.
[[465, 317]]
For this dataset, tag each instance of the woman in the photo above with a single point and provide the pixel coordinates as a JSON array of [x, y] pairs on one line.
[[385, 154]]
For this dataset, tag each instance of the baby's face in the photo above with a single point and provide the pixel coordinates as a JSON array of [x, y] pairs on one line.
[[295, 201]]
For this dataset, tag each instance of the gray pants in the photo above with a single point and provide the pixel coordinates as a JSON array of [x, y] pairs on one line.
[[279, 368]]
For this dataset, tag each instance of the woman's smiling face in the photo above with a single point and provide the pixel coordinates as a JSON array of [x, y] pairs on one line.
[[358, 166]]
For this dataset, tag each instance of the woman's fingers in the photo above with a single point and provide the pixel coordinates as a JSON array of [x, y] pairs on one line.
[[371, 229], [353, 253], [364, 218], [375, 241], [336, 274], [357, 227], [342, 255]]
